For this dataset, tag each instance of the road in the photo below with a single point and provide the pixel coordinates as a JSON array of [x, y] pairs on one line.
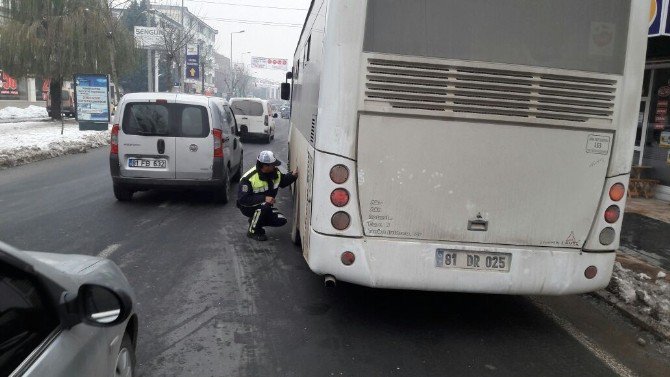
[[213, 303]]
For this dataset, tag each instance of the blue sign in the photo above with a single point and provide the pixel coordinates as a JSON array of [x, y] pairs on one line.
[[193, 62], [91, 97], [658, 18]]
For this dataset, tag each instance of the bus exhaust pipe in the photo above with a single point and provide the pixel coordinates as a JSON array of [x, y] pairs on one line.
[[329, 281]]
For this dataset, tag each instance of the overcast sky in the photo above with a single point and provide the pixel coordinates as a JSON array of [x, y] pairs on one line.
[[272, 27]]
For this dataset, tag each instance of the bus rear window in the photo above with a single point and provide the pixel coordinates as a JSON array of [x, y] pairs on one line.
[[151, 119], [587, 35], [251, 108]]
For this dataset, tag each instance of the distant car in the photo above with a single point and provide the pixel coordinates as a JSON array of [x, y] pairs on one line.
[[64, 315], [285, 112], [255, 118], [168, 140]]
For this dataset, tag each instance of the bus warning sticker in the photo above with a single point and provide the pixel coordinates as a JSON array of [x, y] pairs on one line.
[[598, 144]]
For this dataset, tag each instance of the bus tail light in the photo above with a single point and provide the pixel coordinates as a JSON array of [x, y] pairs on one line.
[[340, 220], [607, 236], [590, 272], [339, 174], [339, 197], [218, 144], [617, 191], [612, 214], [114, 142], [348, 258]]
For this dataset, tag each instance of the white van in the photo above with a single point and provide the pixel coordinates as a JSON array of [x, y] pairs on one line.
[[166, 140], [254, 117]]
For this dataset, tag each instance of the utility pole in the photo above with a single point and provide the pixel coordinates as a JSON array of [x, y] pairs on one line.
[[182, 74]]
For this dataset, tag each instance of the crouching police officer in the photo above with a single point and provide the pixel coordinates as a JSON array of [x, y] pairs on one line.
[[257, 192]]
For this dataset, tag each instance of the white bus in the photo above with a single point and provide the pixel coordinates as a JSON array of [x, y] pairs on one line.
[[460, 145]]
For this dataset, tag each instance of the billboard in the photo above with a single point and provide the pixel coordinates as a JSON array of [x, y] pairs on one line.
[[149, 38], [8, 85], [192, 62], [91, 97], [269, 63]]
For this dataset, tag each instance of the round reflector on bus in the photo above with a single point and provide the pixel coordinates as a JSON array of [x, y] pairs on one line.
[[340, 220], [339, 174], [612, 214], [339, 197], [590, 272], [607, 236], [348, 258], [617, 192]]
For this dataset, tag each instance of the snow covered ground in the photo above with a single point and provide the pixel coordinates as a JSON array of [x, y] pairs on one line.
[[648, 297], [31, 112], [24, 142]]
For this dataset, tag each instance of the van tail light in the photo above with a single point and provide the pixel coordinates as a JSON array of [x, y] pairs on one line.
[[617, 191], [339, 197], [612, 214], [218, 144], [114, 142], [266, 120]]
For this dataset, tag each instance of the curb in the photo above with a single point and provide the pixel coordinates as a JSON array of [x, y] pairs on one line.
[[633, 316]]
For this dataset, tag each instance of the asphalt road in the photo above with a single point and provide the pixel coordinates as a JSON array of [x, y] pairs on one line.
[[214, 303]]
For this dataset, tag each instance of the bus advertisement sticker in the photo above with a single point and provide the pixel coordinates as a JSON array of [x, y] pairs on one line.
[[598, 144]]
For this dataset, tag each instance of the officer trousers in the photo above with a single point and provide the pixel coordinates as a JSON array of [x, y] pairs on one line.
[[261, 216]]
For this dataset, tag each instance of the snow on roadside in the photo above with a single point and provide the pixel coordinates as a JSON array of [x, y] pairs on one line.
[[30, 112], [647, 296], [24, 142]]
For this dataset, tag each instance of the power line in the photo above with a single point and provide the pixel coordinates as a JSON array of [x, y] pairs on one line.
[[244, 5], [251, 22]]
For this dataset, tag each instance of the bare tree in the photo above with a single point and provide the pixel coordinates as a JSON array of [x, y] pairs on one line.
[[239, 81], [174, 40]]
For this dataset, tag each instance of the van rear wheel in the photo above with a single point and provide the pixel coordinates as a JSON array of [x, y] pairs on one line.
[[222, 194], [123, 194]]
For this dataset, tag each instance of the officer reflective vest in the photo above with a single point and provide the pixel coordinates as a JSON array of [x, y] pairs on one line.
[[257, 184]]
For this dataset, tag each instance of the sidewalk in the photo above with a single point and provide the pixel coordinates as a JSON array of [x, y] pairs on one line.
[[640, 285]]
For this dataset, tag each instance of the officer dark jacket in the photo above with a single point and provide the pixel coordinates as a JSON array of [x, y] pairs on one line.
[[254, 188]]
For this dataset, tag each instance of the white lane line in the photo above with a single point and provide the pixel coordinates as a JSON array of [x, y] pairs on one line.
[[605, 357], [109, 250]]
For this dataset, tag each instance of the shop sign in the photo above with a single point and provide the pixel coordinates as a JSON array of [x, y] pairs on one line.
[[8, 85], [665, 139]]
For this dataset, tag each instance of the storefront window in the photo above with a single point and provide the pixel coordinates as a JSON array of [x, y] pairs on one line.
[[657, 138]]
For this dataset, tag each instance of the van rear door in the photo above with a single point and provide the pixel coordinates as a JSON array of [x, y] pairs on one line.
[[147, 140], [249, 113], [194, 143]]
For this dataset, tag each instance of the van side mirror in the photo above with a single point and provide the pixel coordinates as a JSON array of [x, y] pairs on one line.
[[275, 115], [285, 91]]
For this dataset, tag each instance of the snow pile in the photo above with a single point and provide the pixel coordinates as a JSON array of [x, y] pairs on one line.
[[30, 112], [642, 294], [21, 143]]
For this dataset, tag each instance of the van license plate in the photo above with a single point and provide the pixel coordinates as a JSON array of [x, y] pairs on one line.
[[146, 163], [473, 260]]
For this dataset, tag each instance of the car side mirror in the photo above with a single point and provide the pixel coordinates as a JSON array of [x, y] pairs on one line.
[[100, 306], [285, 91]]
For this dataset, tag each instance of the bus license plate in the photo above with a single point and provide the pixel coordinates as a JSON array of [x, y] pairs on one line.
[[473, 260], [146, 163]]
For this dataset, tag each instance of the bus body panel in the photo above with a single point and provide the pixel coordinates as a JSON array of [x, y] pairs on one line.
[[531, 185], [406, 264]]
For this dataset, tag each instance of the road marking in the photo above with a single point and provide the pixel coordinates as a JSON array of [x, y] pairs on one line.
[[605, 357], [109, 250]]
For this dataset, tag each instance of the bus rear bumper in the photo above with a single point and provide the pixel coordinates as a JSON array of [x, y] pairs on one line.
[[398, 264]]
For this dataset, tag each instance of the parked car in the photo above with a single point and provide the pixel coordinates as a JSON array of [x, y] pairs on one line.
[[254, 117], [64, 315], [168, 140], [67, 103]]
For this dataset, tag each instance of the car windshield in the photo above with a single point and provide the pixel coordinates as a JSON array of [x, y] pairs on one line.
[[244, 107]]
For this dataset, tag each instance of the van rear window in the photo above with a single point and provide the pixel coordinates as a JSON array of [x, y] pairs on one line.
[[251, 108], [176, 120]]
